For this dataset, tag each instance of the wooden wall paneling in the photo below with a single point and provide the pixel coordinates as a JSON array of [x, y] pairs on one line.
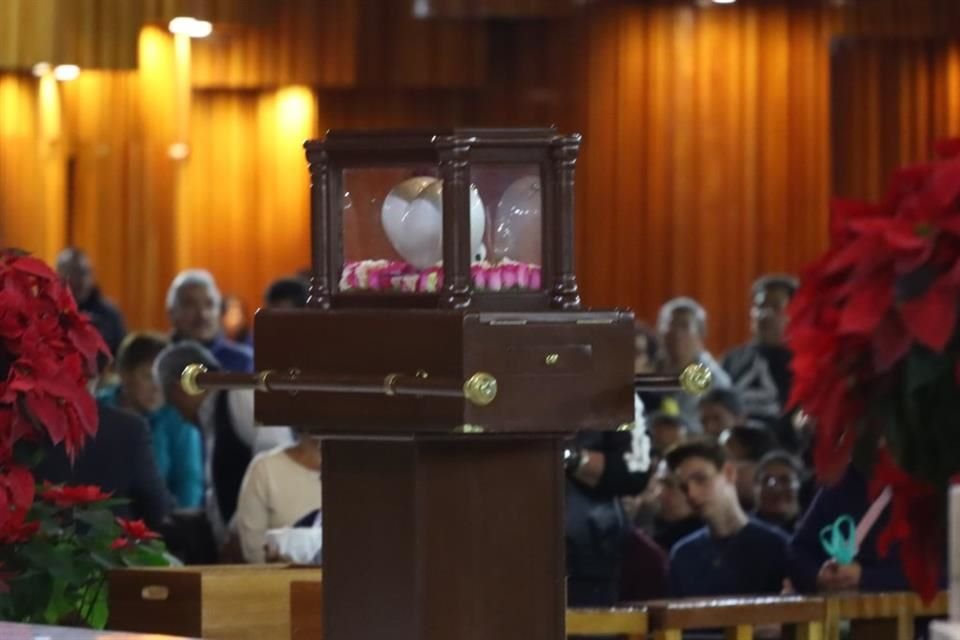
[[255, 228], [95, 34], [397, 50], [706, 159], [31, 167], [121, 126], [98, 34], [27, 32], [303, 42], [217, 11], [898, 18], [697, 125], [892, 100], [473, 9]]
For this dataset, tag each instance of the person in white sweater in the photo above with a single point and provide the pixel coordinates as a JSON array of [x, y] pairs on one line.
[[280, 487]]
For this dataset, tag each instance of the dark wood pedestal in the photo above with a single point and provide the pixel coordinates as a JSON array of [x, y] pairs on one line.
[[446, 538]]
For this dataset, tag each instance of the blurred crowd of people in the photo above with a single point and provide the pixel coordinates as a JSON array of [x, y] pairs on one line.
[[716, 496]]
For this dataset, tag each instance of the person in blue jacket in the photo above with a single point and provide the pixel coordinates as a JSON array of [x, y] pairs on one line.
[[177, 444]]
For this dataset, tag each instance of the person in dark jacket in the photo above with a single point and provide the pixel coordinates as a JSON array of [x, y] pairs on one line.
[[760, 369], [811, 570], [193, 305], [287, 293], [118, 459], [75, 269], [600, 467]]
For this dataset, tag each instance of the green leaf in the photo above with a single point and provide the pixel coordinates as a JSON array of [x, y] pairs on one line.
[[94, 605], [143, 556], [104, 559], [59, 604], [101, 521]]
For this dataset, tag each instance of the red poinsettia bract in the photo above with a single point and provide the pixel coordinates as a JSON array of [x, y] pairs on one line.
[[72, 496], [134, 531], [889, 282], [50, 351], [914, 508]]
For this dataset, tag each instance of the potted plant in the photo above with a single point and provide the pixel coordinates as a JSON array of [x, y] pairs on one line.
[[874, 331], [56, 542]]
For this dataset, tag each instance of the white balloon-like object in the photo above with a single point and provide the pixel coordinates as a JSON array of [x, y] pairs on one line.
[[517, 229], [412, 218]]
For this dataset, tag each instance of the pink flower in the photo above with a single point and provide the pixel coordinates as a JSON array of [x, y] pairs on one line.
[[494, 279], [508, 272], [523, 275], [535, 277], [479, 273], [374, 280]]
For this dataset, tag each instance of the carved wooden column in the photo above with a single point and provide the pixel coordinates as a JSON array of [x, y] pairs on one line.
[[566, 292], [455, 172], [321, 279]]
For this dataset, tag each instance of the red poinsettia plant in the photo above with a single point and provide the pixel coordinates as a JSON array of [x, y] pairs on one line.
[[875, 335], [56, 542]]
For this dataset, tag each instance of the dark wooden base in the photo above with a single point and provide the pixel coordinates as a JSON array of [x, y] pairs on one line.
[[450, 538]]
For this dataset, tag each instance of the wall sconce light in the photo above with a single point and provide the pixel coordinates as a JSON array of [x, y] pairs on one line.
[[191, 27], [41, 69], [66, 72]]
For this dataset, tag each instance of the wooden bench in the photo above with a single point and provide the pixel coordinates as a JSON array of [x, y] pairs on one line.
[[801, 618], [221, 602], [881, 616], [878, 616], [629, 621]]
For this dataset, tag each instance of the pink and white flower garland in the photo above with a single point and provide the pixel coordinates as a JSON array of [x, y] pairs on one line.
[[394, 275]]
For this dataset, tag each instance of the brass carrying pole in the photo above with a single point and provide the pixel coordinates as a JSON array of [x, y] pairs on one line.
[[694, 379], [480, 388]]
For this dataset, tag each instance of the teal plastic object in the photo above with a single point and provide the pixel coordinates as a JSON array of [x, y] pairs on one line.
[[839, 539]]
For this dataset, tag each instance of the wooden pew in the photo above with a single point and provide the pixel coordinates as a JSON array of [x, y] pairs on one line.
[[306, 610], [880, 616], [739, 618], [629, 621], [220, 602]]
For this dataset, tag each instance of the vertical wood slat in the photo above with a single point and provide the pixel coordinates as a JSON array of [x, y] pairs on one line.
[[739, 632]]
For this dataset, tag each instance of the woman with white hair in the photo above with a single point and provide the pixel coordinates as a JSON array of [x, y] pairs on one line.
[[193, 306]]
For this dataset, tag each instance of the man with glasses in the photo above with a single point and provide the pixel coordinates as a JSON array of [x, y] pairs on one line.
[[733, 554], [778, 479]]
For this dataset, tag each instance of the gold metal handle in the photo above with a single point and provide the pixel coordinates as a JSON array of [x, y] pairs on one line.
[[188, 379], [155, 593], [480, 389], [695, 379]]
